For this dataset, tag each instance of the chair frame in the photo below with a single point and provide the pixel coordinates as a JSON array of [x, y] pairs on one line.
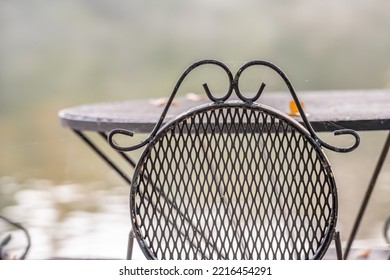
[[244, 103]]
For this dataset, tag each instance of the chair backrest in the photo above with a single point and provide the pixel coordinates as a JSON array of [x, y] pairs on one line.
[[233, 180]]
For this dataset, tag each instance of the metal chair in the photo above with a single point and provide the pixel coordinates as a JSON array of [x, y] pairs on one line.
[[234, 179]]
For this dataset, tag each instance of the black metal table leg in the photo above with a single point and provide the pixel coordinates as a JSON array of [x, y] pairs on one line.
[[98, 151], [367, 196], [105, 157]]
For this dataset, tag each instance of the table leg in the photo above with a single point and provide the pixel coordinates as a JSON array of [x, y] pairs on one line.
[[367, 196], [96, 149]]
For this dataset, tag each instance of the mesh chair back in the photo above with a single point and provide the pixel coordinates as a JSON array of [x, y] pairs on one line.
[[233, 180]]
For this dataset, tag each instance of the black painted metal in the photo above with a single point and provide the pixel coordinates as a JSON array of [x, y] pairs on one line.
[[234, 85], [233, 180], [103, 156], [3, 254], [114, 166], [367, 196], [126, 158]]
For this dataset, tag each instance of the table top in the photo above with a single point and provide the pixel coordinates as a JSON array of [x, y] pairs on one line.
[[327, 110]]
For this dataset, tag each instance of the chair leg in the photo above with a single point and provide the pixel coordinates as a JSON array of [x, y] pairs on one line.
[[130, 244], [339, 250]]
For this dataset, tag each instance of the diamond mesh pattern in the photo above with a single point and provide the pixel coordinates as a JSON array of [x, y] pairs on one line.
[[233, 182]]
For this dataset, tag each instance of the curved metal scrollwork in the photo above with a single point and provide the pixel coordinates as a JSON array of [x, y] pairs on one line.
[[3, 254], [234, 85]]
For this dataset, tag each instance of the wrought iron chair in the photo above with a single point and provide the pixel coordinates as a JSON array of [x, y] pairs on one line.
[[234, 179]]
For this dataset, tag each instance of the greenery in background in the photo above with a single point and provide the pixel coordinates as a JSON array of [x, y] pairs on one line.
[[56, 54]]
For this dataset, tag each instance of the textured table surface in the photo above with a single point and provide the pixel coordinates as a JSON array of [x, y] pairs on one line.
[[327, 110]]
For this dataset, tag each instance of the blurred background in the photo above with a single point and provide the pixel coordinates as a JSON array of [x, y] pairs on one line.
[[57, 54]]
